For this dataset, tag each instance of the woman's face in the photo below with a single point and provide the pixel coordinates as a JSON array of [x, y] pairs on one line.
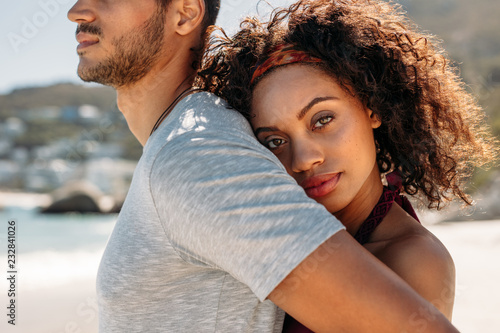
[[321, 133]]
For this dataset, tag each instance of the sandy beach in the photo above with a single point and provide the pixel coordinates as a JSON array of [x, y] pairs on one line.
[[63, 299], [55, 293], [475, 248]]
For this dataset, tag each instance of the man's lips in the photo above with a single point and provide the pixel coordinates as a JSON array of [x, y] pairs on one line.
[[86, 40], [321, 185]]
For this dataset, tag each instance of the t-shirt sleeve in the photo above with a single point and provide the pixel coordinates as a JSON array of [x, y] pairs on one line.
[[226, 202]]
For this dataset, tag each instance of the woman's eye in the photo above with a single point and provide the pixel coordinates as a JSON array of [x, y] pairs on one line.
[[274, 143], [322, 121]]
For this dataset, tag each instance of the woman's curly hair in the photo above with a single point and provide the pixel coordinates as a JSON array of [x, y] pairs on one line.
[[432, 129]]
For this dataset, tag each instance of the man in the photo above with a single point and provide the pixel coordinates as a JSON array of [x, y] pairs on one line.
[[213, 232]]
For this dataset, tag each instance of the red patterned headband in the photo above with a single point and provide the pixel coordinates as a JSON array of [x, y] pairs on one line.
[[282, 55]]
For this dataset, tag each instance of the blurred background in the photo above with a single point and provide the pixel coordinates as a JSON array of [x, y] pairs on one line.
[[67, 158]]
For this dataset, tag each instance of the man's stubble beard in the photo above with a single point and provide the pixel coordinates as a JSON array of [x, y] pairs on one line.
[[133, 57]]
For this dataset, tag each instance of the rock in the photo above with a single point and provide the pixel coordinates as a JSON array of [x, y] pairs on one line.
[[80, 197]]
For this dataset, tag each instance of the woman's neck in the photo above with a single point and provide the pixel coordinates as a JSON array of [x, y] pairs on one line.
[[356, 212]]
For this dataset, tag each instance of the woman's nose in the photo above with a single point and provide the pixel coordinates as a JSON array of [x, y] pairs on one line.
[[306, 155]]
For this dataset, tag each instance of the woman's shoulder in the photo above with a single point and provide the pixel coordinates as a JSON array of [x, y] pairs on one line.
[[417, 253], [402, 241], [417, 256]]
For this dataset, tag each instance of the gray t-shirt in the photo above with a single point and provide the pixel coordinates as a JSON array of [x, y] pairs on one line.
[[211, 225]]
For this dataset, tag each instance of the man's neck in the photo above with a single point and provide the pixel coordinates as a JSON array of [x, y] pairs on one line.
[[143, 102]]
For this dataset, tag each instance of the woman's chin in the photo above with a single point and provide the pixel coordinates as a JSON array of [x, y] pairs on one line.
[[334, 203]]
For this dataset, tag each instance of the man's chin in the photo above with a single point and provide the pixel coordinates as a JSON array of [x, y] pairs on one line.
[[90, 80], [89, 73], [87, 78], [109, 73]]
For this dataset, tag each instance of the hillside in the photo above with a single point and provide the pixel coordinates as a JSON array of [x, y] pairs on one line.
[[59, 95], [469, 30], [50, 116]]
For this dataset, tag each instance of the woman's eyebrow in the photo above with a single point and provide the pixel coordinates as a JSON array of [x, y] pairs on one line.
[[312, 103], [265, 129]]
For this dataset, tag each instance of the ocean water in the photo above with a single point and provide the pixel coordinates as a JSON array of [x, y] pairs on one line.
[[57, 232], [53, 249]]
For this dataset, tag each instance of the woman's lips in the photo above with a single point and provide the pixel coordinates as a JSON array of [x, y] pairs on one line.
[[319, 186]]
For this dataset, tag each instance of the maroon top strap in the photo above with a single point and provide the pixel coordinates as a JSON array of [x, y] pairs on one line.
[[380, 211], [376, 216]]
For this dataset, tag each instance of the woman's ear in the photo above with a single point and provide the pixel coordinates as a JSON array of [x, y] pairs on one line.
[[190, 14], [374, 118]]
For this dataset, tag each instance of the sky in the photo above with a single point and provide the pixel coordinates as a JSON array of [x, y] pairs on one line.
[[38, 46]]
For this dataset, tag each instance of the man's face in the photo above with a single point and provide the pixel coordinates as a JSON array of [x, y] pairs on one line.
[[119, 41]]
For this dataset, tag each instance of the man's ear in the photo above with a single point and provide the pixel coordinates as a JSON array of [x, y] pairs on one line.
[[374, 119], [190, 14]]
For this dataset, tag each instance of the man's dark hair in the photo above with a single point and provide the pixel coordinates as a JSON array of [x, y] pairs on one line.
[[211, 12]]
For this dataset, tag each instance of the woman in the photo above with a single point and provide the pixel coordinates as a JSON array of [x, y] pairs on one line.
[[343, 93]]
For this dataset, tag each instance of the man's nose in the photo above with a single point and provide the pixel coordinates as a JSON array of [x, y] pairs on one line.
[[82, 12]]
